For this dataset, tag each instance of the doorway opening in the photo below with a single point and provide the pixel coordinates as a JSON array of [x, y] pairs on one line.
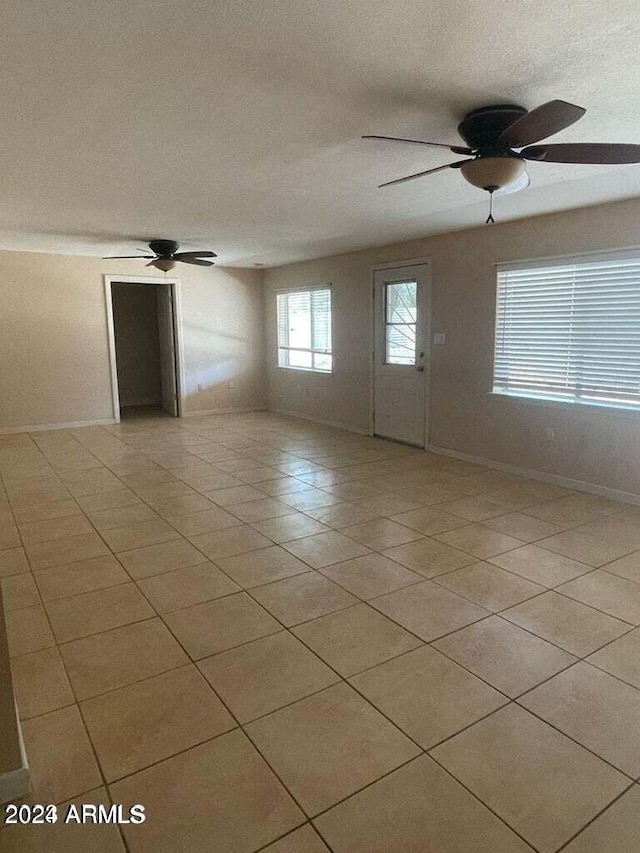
[[401, 355], [142, 317]]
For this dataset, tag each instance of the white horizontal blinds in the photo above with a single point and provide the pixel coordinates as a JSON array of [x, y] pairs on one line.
[[304, 329], [570, 330], [400, 322]]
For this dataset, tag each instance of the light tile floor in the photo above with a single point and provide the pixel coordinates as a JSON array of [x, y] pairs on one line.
[[283, 637]]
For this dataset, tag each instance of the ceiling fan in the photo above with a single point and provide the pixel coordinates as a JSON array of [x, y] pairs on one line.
[[493, 133], [166, 254]]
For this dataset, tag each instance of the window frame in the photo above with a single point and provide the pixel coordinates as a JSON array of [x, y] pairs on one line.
[[284, 291], [602, 408]]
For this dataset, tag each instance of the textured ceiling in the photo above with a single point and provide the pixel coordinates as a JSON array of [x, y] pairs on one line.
[[235, 124]]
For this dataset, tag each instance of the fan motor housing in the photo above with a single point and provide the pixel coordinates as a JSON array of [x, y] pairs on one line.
[[481, 128], [164, 248]]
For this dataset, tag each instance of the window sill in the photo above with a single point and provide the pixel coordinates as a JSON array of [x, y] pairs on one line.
[[617, 412], [305, 370]]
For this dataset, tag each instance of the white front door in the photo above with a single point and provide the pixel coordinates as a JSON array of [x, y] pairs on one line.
[[166, 330], [401, 300]]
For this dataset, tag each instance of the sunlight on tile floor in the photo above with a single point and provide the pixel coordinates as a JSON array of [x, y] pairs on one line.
[[282, 637]]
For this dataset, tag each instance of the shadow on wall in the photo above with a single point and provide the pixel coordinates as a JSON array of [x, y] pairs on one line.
[[220, 368]]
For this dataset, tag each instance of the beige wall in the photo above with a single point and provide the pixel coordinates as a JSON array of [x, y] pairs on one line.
[[54, 356], [223, 336], [596, 446], [135, 316]]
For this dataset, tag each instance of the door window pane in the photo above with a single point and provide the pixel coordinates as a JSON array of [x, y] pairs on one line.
[[400, 322]]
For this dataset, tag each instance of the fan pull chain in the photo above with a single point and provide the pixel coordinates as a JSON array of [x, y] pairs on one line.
[[490, 220]]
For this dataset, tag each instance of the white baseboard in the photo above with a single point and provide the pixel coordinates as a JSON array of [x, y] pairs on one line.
[[14, 785], [229, 411], [555, 479], [321, 421], [66, 425]]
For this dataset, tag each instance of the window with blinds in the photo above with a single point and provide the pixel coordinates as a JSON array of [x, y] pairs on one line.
[[569, 330], [304, 329]]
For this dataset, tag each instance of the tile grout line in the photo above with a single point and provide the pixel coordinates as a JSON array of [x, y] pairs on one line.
[[315, 831], [594, 818]]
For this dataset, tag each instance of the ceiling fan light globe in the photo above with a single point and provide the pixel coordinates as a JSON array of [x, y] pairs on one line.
[[494, 172], [164, 264]]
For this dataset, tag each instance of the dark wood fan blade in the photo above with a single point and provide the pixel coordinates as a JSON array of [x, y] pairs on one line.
[[455, 165], [116, 257], [457, 149], [583, 152], [195, 261], [540, 123], [181, 255]]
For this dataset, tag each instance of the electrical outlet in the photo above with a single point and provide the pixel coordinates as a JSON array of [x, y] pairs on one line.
[[439, 339], [550, 434]]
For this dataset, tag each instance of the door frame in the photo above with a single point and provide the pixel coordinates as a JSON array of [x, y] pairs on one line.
[[396, 265], [177, 330]]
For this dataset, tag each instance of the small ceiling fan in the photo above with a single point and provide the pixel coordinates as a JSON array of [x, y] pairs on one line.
[[166, 254], [493, 133]]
